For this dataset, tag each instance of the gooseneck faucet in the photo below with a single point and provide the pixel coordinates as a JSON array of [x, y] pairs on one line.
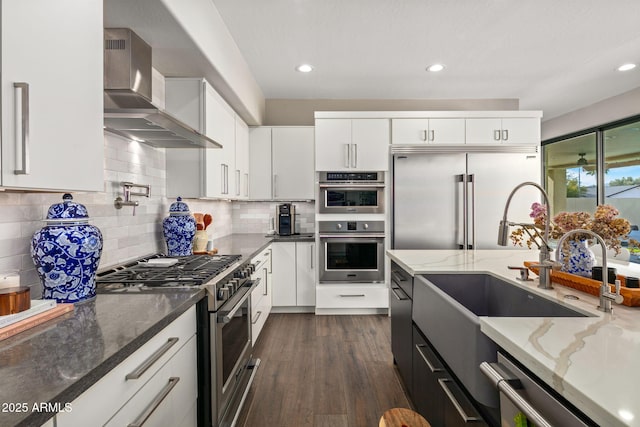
[[545, 264], [606, 296]]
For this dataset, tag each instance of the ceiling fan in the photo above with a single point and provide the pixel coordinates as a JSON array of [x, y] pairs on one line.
[[582, 161]]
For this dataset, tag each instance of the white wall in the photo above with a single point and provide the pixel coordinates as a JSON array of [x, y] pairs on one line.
[[606, 111]]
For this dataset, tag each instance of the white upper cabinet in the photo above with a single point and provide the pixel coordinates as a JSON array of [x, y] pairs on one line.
[[352, 144], [516, 130], [260, 180], [242, 171], [292, 161], [52, 89], [202, 172], [428, 131], [281, 163]]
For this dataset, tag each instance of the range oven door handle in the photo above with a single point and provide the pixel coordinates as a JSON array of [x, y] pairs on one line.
[[225, 316], [503, 385]]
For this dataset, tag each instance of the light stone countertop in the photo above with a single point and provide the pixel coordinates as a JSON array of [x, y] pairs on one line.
[[594, 362]]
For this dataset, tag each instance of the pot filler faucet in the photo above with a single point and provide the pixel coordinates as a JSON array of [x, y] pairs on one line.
[[545, 265], [606, 296]]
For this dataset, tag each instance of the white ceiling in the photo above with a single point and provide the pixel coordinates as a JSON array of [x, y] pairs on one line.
[[552, 55]]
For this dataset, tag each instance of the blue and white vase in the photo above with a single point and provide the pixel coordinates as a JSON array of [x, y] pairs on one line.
[[581, 259], [66, 252], [179, 228]]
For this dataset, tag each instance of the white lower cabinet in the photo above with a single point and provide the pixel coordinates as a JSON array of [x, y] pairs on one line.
[[352, 296], [164, 366], [169, 398], [50, 423], [294, 274], [261, 295]]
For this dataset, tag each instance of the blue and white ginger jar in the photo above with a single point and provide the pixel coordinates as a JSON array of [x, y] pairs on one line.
[[179, 228], [581, 259], [66, 252]]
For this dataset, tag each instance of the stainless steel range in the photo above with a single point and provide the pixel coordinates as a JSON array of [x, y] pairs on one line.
[[225, 367]]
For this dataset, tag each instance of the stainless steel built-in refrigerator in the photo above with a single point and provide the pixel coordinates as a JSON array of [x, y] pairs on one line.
[[449, 200]]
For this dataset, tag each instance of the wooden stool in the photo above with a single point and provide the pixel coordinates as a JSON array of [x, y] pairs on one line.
[[402, 417]]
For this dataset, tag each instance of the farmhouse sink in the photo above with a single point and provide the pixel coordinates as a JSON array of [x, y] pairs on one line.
[[446, 308]]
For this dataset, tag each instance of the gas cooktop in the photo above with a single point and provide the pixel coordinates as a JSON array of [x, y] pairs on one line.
[[153, 272]]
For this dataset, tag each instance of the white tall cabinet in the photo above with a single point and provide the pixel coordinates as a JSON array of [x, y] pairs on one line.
[[203, 172], [52, 89], [281, 161]]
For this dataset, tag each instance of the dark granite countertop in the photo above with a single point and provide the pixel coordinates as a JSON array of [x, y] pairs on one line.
[[57, 361], [249, 245]]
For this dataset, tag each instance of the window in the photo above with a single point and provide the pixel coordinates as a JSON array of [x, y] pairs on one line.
[[577, 179]]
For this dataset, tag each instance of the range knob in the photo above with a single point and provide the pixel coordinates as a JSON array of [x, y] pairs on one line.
[[224, 293], [365, 226], [339, 226]]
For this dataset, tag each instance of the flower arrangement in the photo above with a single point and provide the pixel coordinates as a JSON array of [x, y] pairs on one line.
[[604, 222]]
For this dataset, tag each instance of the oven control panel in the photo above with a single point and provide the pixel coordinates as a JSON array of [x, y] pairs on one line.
[[329, 227]]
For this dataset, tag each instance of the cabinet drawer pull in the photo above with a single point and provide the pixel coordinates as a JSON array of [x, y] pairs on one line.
[[503, 385], [398, 297], [496, 134], [144, 366], [347, 151], [24, 126], [354, 157], [432, 368], [433, 135], [351, 295], [259, 313], [505, 135], [397, 276], [466, 418], [144, 416], [266, 281], [424, 135], [237, 182]]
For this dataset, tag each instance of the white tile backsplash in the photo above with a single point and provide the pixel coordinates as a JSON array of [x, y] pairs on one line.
[[125, 236], [257, 217]]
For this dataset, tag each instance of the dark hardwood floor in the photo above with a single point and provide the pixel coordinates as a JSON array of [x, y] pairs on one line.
[[323, 371]]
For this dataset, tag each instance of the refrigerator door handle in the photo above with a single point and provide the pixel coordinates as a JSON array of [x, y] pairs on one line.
[[471, 180], [463, 178]]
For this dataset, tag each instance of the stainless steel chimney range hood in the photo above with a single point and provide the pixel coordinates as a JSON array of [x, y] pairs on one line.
[[128, 110]]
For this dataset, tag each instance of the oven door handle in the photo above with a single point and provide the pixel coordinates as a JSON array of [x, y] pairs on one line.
[[351, 186], [225, 316], [353, 235]]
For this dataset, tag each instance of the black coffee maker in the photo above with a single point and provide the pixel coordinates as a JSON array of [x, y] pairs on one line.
[[286, 219]]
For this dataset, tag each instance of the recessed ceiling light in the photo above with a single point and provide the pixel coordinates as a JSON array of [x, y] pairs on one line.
[[304, 68], [435, 68], [626, 67]]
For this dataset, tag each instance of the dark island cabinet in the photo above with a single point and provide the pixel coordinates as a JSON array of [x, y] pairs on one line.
[[400, 301], [436, 395]]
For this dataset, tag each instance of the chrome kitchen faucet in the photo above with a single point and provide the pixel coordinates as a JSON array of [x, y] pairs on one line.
[[545, 264], [606, 296]]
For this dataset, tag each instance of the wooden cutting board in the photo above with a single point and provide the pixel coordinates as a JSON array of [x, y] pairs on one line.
[[35, 320], [14, 300]]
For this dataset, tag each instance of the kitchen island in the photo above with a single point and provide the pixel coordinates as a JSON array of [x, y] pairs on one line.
[[590, 361]]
